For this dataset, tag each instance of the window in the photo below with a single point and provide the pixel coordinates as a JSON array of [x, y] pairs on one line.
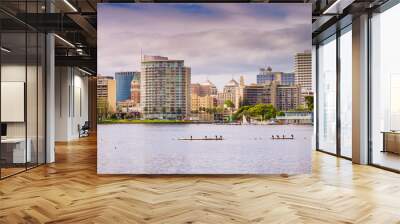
[[327, 95], [346, 93], [22, 65], [385, 89]]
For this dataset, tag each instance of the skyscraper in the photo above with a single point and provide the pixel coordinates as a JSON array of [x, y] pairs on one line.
[[287, 97], [135, 92], [106, 94], [259, 93], [265, 76], [303, 74], [282, 97], [124, 80], [165, 88], [287, 79], [302, 70]]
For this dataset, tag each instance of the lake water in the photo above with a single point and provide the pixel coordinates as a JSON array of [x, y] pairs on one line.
[[246, 149]]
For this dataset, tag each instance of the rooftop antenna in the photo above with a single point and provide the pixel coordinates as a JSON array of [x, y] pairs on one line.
[[141, 55]]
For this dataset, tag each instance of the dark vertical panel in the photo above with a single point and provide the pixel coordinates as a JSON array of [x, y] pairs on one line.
[[37, 91], [338, 73], [73, 91], [1, 165], [26, 86], [369, 106], [45, 90], [80, 102], [317, 97]]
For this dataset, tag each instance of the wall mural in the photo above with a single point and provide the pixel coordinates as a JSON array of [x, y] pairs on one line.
[[212, 88]]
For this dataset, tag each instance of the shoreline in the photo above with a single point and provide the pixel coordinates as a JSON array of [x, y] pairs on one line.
[[183, 122]]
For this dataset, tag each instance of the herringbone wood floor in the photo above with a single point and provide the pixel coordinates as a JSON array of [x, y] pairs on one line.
[[70, 191]]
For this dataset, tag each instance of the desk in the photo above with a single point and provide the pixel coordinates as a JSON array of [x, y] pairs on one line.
[[13, 150], [391, 141]]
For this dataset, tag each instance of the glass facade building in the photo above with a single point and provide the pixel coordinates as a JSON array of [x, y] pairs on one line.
[[288, 79], [266, 76], [123, 81]]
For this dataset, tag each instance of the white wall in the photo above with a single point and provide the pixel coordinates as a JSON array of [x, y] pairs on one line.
[[33, 126], [71, 103], [14, 73], [17, 73]]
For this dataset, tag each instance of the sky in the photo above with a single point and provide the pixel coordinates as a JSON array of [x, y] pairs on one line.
[[219, 41]]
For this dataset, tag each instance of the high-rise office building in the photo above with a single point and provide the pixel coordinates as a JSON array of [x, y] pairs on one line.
[[135, 91], [265, 76], [287, 97], [165, 88], [123, 80], [287, 79], [259, 94], [303, 74], [282, 97], [302, 71], [106, 95]]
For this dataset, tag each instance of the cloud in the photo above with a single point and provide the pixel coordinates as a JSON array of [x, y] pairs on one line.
[[213, 39]]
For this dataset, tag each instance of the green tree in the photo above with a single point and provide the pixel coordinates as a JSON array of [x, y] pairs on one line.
[[280, 113], [229, 104], [309, 102], [265, 111], [219, 109], [103, 109], [243, 110]]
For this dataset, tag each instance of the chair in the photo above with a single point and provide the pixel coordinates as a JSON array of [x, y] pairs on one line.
[[84, 130]]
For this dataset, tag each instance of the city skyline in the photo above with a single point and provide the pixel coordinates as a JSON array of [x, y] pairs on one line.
[[286, 78], [164, 89], [219, 89], [250, 78], [218, 41]]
